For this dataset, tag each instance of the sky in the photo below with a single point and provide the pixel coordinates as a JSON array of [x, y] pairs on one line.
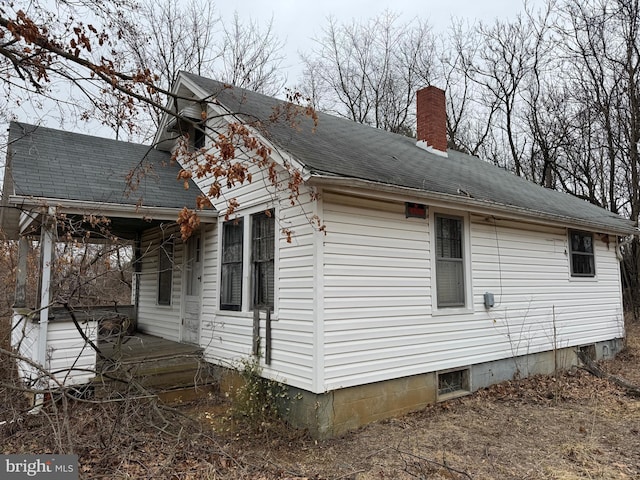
[[297, 22]]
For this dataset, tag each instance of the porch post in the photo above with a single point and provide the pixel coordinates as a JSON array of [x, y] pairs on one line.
[[20, 299], [46, 260], [137, 270]]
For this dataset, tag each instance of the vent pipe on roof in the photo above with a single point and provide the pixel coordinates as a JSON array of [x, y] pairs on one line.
[[431, 120]]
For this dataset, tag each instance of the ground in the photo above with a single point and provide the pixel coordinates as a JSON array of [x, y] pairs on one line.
[[569, 426]]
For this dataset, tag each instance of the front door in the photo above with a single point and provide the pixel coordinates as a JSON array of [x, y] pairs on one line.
[[193, 282]]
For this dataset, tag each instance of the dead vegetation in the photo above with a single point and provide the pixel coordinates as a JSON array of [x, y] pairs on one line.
[[568, 426]]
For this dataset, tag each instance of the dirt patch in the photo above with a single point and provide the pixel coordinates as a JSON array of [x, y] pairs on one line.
[[570, 426]]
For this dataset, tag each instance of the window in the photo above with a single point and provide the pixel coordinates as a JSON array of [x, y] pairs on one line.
[[231, 283], [449, 261], [199, 137], [262, 255], [165, 272], [582, 256], [452, 382]]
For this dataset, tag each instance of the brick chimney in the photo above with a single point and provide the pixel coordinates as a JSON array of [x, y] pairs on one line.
[[431, 120]]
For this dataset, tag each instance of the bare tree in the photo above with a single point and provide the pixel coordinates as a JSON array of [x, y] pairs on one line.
[[251, 56], [369, 72], [469, 118], [165, 38]]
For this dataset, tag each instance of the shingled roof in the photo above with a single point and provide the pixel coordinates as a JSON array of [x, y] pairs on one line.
[[341, 148], [54, 164]]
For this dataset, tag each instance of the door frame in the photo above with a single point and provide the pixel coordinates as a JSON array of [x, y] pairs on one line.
[[186, 273]]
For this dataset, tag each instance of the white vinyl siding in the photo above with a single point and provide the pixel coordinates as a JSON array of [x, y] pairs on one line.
[[227, 335], [377, 290], [160, 320], [70, 359], [377, 281]]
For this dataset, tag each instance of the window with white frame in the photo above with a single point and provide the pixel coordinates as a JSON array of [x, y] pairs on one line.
[[449, 256], [582, 254], [231, 261], [165, 272], [262, 259]]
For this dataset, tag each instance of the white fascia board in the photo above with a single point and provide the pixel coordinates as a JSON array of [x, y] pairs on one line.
[[472, 205], [277, 154], [181, 81], [108, 209], [26, 220]]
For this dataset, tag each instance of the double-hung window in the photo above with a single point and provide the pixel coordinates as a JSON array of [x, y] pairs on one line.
[[582, 254], [449, 246], [231, 282], [259, 229], [262, 256]]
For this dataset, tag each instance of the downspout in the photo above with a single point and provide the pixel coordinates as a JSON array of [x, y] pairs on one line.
[[626, 241], [623, 272]]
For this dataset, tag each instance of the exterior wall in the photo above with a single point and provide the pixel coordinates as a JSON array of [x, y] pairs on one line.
[[24, 339], [227, 335], [377, 280], [160, 320], [379, 320], [67, 352]]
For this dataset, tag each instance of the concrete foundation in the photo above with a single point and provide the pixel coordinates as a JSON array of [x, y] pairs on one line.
[[336, 412]]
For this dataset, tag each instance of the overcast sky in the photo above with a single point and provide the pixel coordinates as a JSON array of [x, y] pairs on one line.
[[297, 22]]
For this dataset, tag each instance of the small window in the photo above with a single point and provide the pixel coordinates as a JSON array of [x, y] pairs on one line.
[[199, 137], [453, 382], [582, 255], [449, 262], [165, 272], [262, 255], [231, 282]]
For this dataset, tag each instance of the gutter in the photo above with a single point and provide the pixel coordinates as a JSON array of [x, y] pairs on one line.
[[109, 209], [473, 205]]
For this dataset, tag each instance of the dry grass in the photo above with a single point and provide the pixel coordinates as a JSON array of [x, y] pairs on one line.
[[573, 426]]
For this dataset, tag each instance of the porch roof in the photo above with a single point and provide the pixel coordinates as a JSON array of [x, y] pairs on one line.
[[87, 174]]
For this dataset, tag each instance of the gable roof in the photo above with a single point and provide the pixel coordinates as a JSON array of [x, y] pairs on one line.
[[341, 148], [54, 164]]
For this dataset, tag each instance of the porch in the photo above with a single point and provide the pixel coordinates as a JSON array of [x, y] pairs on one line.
[[141, 362]]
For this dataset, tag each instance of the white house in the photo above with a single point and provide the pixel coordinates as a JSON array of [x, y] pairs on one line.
[[436, 273]]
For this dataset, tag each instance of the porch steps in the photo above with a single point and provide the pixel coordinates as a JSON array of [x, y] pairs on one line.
[[157, 365]]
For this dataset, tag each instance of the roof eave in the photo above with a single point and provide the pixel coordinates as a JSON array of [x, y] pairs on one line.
[[474, 205], [107, 209]]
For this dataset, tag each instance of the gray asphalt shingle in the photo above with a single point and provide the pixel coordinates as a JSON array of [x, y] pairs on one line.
[[345, 148], [53, 163]]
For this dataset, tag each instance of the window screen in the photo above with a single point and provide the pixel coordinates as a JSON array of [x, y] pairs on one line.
[[449, 262], [231, 282], [262, 255], [582, 254]]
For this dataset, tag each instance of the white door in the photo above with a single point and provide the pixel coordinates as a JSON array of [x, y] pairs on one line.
[[192, 300]]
